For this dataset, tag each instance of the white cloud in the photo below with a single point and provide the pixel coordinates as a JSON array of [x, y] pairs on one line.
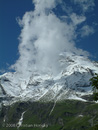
[[42, 5], [77, 19], [44, 36], [86, 31]]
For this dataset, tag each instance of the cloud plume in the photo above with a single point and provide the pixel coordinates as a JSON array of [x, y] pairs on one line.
[[44, 35]]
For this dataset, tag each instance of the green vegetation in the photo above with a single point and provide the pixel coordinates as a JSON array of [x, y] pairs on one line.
[[94, 83], [66, 115]]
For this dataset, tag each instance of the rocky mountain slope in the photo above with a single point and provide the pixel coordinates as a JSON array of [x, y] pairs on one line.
[[67, 115]]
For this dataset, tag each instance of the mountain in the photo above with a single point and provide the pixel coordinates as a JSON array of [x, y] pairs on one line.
[[43, 100], [71, 83]]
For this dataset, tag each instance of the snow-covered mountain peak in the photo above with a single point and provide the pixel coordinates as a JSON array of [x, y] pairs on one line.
[[71, 82]]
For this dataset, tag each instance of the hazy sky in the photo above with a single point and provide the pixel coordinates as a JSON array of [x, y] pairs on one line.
[[34, 33]]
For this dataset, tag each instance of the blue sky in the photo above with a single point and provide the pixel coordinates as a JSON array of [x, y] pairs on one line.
[[10, 30]]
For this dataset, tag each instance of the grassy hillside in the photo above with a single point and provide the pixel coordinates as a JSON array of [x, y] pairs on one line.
[[66, 115]]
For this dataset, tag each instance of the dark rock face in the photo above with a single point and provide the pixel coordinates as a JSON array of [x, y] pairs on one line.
[[88, 97], [3, 91]]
